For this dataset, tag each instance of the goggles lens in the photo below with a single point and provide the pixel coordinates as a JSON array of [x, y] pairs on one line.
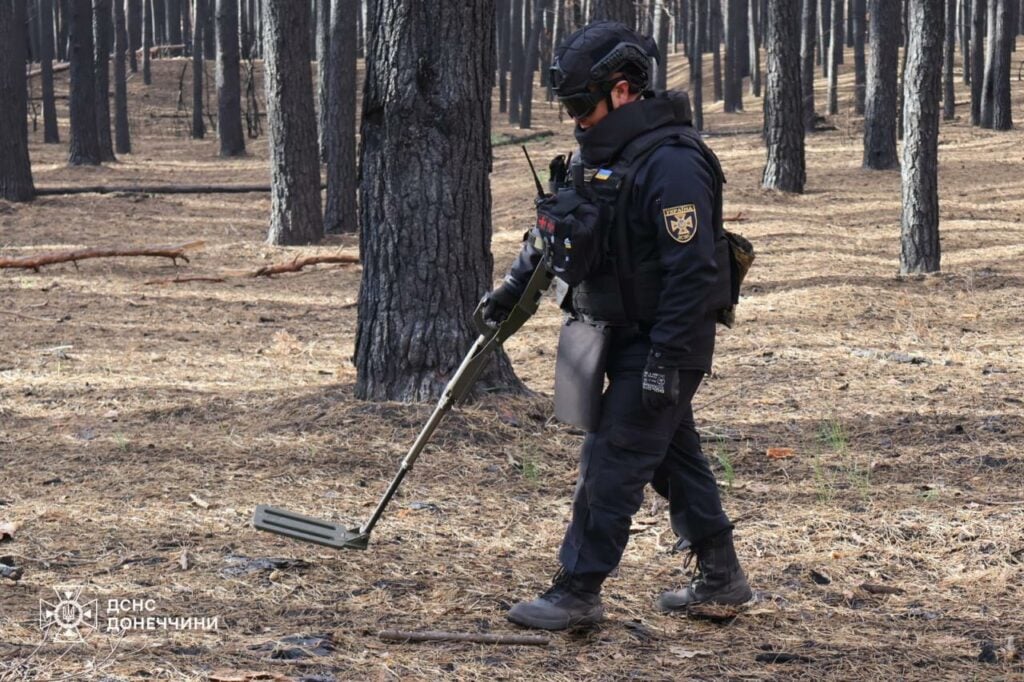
[[582, 104]]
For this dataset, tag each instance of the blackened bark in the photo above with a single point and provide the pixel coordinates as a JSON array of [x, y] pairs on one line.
[[919, 233], [342, 178], [733, 83], [133, 9], [186, 26], [754, 37], [64, 15], [15, 167], [858, 16], [84, 147], [122, 136], [880, 101], [965, 39], [518, 61], [198, 61], [229, 90], [715, 17], [825, 33], [532, 50], [808, 39], [321, 25], [661, 26], [784, 120], [697, 65], [426, 221], [159, 16], [173, 19], [504, 23], [835, 56], [616, 10], [988, 84], [50, 132], [949, 89], [295, 214], [978, 10], [1005, 32], [102, 21], [147, 41]]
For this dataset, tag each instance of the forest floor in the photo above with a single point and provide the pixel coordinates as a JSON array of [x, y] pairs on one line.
[[141, 423]]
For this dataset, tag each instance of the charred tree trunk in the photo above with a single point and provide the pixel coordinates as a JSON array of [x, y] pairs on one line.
[[198, 62], [532, 51], [919, 233], [504, 24], [715, 16], [783, 115], [978, 11], [186, 26], [754, 36], [50, 132], [62, 29], [808, 39], [425, 248], [342, 176], [322, 21], [295, 214], [965, 39], [85, 145], [733, 85], [995, 102], [661, 21], [697, 65], [133, 10], [103, 41], [949, 86], [122, 136], [616, 10], [172, 9], [825, 33], [988, 84], [15, 168], [881, 96], [835, 56], [858, 16], [229, 89], [518, 62], [147, 41]]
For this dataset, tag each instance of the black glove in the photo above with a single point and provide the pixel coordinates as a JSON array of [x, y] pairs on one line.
[[660, 383], [499, 303]]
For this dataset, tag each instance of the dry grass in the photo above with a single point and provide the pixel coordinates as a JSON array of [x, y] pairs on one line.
[[140, 423]]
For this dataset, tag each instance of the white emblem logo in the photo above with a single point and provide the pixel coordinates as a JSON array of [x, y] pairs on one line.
[[69, 617]]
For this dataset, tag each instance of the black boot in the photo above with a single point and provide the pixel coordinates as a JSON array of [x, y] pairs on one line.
[[718, 579], [570, 601]]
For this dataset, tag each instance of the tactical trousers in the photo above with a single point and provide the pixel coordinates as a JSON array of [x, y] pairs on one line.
[[631, 448]]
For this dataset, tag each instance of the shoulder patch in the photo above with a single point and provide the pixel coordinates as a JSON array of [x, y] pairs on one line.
[[681, 222]]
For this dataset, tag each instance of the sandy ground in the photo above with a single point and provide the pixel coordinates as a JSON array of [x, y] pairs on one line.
[[140, 424]]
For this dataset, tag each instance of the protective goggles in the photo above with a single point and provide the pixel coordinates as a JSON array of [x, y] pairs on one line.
[[582, 104]]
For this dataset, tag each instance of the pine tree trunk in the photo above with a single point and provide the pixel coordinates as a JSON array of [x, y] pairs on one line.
[[949, 86], [697, 65], [733, 80], [295, 214], [229, 90], [103, 40], [754, 34], [50, 132], [532, 49], [147, 41], [716, 49], [504, 23], [965, 39], [783, 115], [122, 136], [616, 10], [133, 9], [661, 22], [322, 20], [518, 62], [919, 234], [173, 19], [340, 214], [881, 95], [858, 12], [808, 39], [186, 26], [988, 83], [426, 220], [825, 34], [84, 146], [198, 61], [1005, 32], [15, 168], [978, 11], [835, 55]]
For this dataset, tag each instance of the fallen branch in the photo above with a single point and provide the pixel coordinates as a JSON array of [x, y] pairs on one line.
[[57, 68], [181, 280], [478, 638], [738, 218], [23, 316], [512, 139], [299, 263], [38, 261], [154, 189]]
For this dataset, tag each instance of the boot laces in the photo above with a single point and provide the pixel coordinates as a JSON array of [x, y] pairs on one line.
[[694, 559]]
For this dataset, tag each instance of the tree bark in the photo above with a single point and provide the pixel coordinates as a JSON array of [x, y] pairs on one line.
[[919, 233], [172, 9], [988, 84], [342, 174], [103, 41], [133, 10], [147, 41], [697, 65], [965, 39], [754, 36], [949, 86], [784, 120], [880, 101], [733, 85], [532, 51], [504, 23], [186, 26], [321, 25], [295, 214], [15, 168], [62, 30], [229, 91], [198, 62], [85, 146], [808, 38], [1005, 33], [858, 12], [50, 132], [426, 222], [978, 11], [835, 56], [518, 62], [122, 136], [661, 22], [616, 10], [715, 15]]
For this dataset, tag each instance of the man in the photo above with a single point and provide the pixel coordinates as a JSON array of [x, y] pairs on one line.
[[635, 230]]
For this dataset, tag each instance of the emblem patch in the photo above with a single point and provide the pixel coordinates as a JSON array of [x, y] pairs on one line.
[[681, 222]]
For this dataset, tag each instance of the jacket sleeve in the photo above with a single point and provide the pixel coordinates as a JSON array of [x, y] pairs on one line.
[[676, 196], [525, 263]]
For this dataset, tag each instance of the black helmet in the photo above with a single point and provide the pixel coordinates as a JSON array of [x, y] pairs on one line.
[[591, 55]]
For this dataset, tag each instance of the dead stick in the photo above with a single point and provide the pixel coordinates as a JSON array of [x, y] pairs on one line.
[[300, 263], [154, 189], [26, 317], [738, 218], [38, 261], [479, 638], [179, 280]]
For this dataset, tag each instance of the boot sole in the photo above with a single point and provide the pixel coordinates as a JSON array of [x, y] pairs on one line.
[[724, 600], [592, 617]]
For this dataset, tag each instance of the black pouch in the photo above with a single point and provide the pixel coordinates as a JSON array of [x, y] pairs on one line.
[[571, 229], [579, 373]]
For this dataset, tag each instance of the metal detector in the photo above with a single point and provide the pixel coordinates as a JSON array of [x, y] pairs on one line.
[[331, 534]]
